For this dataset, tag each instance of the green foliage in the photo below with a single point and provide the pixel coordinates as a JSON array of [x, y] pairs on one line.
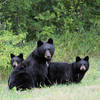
[[8, 44], [43, 18], [67, 47], [73, 24], [72, 45]]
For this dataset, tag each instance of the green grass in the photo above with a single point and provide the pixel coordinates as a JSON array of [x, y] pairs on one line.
[[88, 89]]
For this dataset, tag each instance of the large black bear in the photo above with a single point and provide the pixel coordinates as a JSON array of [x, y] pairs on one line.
[[61, 73], [16, 60], [35, 65]]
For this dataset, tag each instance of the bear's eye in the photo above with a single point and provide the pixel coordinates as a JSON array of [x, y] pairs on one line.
[[84, 64], [17, 61]]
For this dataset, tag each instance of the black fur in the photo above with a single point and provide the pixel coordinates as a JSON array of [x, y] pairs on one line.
[[16, 60], [62, 73], [21, 78], [36, 65]]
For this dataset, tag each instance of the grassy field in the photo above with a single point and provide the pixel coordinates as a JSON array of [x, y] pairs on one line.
[[88, 89]]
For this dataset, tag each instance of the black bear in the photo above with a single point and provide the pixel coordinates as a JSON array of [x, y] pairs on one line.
[[61, 73], [35, 65], [21, 78], [16, 60]]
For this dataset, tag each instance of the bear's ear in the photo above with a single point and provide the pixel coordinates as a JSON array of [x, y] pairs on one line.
[[20, 55], [12, 55], [50, 40], [86, 58], [39, 43], [78, 58]]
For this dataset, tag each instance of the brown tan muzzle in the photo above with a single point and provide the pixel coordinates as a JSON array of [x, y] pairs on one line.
[[82, 68], [15, 64]]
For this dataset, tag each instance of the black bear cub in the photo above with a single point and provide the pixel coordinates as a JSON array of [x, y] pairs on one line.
[[35, 67], [61, 73], [16, 60], [21, 78]]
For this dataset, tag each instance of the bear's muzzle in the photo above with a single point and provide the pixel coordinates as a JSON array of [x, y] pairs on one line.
[[82, 68], [47, 55]]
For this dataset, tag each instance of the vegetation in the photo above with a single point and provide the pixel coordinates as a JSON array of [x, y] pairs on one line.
[[73, 24], [88, 89], [74, 27], [41, 18], [66, 49]]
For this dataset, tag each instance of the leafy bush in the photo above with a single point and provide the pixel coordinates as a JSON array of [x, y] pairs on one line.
[[43, 18], [73, 24], [8, 44], [67, 47]]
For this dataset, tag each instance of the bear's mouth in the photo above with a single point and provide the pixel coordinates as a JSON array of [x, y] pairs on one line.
[[83, 68]]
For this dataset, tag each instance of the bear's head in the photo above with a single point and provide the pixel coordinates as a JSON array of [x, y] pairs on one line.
[[16, 60], [45, 50], [82, 64]]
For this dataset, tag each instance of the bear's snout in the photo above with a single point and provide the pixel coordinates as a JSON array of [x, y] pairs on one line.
[[47, 54], [15, 64], [11, 85], [82, 68]]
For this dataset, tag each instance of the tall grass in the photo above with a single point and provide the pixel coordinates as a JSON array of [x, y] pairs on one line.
[[67, 47]]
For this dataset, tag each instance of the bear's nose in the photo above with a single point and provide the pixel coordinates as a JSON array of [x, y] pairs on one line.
[[11, 85], [15, 64], [48, 56]]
